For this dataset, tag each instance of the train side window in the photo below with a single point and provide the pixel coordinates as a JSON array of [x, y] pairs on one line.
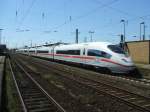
[[92, 52], [31, 51], [105, 55], [70, 52], [41, 51]]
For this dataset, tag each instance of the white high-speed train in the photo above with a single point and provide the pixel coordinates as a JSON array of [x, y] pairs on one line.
[[97, 54]]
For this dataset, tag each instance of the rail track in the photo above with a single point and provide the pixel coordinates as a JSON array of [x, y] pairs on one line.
[[33, 97], [141, 81], [136, 101], [132, 99]]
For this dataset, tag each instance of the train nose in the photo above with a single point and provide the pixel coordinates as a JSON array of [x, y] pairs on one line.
[[127, 61]]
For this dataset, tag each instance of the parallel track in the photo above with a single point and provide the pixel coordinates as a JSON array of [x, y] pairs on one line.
[[33, 97], [145, 82], [141, 81], [136, 101]]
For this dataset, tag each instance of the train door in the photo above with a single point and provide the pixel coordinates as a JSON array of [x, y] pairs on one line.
[[52, 51], [84, 54]]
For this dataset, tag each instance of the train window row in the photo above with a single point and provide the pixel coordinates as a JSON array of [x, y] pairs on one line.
[[32, 51], [98, 53], [70, 52], [41, 51], [38, 51]]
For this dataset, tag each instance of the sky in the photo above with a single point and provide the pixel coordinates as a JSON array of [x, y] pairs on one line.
[[40, 21]]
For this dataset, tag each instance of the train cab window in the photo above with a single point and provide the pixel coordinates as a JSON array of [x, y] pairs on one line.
[[98, 53], [116, 49]]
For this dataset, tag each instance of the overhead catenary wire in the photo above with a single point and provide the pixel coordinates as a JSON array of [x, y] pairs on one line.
[[85, 15], [114, 9], [26, 13]]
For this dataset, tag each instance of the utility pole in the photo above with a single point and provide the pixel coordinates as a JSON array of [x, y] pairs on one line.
[[91, 32], [77, 33], [85, 39], [122, 41], [1, 36], [31, 43], [124, 30], [121, 38], [140, 31], [144, 32], [142, 23]]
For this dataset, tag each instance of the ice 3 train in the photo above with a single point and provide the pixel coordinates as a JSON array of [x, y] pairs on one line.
[[98, 54]]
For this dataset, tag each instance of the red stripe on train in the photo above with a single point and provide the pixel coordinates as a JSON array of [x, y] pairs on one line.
[[110, 61], [89, 58]]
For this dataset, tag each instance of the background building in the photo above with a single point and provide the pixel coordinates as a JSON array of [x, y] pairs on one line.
[[139, 51]]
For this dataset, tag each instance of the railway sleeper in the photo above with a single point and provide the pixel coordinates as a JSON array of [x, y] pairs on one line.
[[44, 110], [32, 92], [30, 89], [124, 96], [147, 105], [35, 99], [118, 93], [30, 102], [34, 106], [130, 99], [35, 96]]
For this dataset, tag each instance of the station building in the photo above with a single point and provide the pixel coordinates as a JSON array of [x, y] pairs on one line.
[[139, 51]]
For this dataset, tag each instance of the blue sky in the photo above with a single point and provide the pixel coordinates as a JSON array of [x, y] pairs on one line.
[[43, 21]]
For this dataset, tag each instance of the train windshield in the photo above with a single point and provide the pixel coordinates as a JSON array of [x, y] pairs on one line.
[[116, 49]]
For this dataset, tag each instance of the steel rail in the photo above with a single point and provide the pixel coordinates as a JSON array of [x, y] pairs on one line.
[[14, 78], [44, 91], [127, 102], [134, 80]]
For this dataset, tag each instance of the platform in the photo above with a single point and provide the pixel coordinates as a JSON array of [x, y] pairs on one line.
[[2, 61]]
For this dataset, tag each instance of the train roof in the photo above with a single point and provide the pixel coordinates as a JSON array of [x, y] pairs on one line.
[[43, 48], [91, 43], [72, 46], [75, 46], [32, 49]]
